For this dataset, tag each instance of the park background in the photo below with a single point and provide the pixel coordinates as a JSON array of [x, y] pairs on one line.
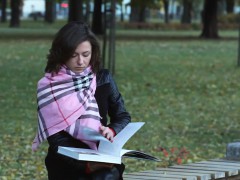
[[174, 74]]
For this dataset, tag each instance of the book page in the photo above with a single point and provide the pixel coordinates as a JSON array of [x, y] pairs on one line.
[[88, 155], [89, 134], [123, 136], [138, 155], [114, 148]]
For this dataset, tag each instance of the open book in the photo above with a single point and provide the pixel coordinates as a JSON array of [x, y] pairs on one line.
[[109, 152]]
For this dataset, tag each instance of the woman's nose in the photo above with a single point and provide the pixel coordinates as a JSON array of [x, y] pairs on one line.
[[80, 60]]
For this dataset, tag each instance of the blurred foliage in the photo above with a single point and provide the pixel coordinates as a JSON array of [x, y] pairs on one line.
[[187, 93], [229, 19], [223, 25], [173, 155]]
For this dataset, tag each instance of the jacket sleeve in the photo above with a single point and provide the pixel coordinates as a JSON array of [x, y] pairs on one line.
[[63, 139], [119, 117]]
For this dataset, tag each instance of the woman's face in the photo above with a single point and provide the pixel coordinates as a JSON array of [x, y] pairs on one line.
[[81, 57]]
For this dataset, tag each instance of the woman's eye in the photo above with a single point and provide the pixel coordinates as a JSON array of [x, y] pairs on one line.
[[86, 54], [75, 55]]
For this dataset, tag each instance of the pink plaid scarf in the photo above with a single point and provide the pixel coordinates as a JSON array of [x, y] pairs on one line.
[[66, 102]]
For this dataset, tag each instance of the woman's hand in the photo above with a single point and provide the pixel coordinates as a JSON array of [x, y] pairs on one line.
[[107, 133]]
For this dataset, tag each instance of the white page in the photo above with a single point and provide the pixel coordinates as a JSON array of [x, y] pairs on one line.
[[88, 155], [114, 148], [90, 134], [123, 136]]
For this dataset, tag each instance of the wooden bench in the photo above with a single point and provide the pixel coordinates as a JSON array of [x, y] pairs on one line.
[[220, 169]]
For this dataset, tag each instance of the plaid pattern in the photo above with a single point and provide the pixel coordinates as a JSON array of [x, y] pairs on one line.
[[66, 102]]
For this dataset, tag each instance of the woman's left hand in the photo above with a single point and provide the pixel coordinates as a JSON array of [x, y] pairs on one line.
[[107, 133]]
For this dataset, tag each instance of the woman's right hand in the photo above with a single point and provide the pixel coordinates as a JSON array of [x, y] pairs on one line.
[[94, 166], [107, 133]]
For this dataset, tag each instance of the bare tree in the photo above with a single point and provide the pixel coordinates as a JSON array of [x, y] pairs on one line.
[[15, 13], [187, 12], [166, 12], [139, 7], [87, 14], [209, 19], [230, 6], [50, 13], [121, 9], [97, 21], [3, 8], [75, 10]]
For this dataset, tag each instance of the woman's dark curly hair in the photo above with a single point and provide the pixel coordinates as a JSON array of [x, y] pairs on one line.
[[65, 43]]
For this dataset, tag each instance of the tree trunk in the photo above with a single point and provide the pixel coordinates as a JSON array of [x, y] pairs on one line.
[[209, 20], [15, 13], [97, 24], [134, 12], [229, 6], [111, 46], [3, 8], [221, 7], [87, 15], [187, 10], [142, 14], [122, 14], [166, 11], [75, 10], [134, 15], [50, 13]]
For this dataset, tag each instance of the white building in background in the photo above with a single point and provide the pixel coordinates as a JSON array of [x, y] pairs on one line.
[[38, 7], [33, 6]]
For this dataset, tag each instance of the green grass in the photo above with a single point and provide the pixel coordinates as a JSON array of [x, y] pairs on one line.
[[30, 30], [41, 30], [187, 93]]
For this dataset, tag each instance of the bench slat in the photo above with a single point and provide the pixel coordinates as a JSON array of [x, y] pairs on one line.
[[227, 163], [159, 175], [225, 160], [183, 174], [228, 170], [204, 170], [129, 177], [212, 174]]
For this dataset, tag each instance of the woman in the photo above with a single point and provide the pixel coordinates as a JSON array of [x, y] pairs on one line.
[[74, 95]]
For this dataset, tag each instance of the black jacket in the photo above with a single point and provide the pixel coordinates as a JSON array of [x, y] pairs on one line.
[[110, 104]]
